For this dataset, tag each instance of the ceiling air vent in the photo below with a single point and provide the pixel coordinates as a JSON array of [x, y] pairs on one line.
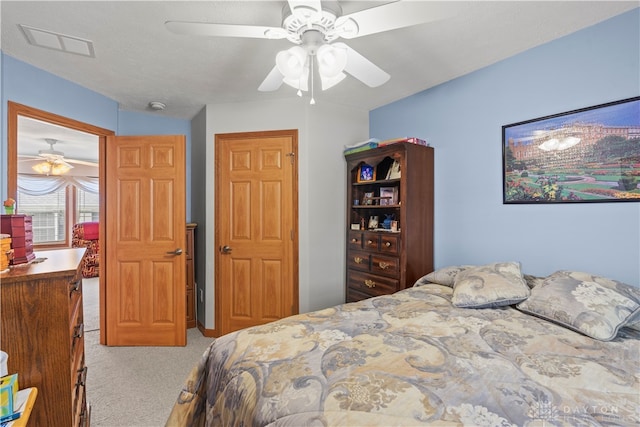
[[56, 41]]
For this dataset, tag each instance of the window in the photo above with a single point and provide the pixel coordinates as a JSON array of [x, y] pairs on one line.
[[49, 215], [55, 204], [87, 206]]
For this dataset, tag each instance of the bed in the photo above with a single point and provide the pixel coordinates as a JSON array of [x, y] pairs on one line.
[[466, 345]]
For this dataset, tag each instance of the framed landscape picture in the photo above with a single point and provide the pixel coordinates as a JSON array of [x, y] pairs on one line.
[[586, 155]]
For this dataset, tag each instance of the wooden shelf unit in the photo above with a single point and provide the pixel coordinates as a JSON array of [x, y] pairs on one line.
[[382, 262]]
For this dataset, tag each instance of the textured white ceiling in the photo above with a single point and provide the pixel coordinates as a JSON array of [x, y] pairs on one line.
[[138, 60]]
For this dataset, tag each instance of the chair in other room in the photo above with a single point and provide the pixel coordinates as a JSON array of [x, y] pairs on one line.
[[86, 235]]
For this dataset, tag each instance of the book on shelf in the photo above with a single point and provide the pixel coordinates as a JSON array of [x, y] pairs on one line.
[[361, 146], [411, 140]]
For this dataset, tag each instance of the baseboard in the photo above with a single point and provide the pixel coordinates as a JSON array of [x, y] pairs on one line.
[[210, 333]]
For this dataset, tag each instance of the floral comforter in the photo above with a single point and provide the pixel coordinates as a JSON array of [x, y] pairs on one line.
[[413, 359]]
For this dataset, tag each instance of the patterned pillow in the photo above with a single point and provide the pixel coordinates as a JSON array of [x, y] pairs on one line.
[[634, 325], [592, 305], [491, 285], [444, 276], [532, 281]]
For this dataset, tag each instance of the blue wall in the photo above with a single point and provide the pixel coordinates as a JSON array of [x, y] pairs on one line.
[[28, 85], [463, 120]]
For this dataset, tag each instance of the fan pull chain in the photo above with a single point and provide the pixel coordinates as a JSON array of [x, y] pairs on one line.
[[313, 101]]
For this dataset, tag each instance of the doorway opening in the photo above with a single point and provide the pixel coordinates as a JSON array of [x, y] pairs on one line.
[[28, 129]]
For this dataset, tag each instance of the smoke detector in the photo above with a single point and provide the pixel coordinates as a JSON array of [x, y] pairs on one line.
[[157, 105]]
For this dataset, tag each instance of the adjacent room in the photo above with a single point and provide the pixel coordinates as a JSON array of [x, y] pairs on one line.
[[320, 212]]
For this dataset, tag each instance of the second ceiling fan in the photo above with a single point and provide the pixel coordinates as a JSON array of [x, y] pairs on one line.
[[314, 26]]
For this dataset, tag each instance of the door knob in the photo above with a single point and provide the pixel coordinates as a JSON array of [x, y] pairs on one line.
[[225, 249], [176, 252]]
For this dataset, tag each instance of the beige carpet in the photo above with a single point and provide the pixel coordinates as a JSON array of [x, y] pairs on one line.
[[133, 386], [90, 301]]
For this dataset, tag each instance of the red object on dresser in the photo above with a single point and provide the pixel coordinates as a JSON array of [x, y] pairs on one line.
[[86, 235], [21, 230]]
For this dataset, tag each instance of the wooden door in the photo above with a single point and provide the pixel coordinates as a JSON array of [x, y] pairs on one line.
[[256, 228], [145, 210]]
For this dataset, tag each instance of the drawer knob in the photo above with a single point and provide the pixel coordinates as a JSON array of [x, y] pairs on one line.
[[370, 283], [369, 242], [82, 377], [75, 286], [387, 244], [354, 240], [357, 260], [78, 330], [384, 265]]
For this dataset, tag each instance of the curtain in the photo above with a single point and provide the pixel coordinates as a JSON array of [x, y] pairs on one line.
[[39, 185]]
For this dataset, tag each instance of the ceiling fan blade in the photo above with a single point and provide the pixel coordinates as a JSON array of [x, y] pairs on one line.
[[26, 157], [390, 16], [82, 162], [62, 162], [225, 30], [363, 69], [272, 82]]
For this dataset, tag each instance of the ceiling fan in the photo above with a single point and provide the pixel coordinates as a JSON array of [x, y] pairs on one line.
[[314, 26], [52, 162]]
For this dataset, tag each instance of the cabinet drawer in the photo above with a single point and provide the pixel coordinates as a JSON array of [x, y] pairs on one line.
[[75, 294], [385, 265], [370, 241], [355, 240], [76, 324], [354, 295], [80, 397], [189, 244], [390, 243], [358, 260], [371, 284], [190, 279]]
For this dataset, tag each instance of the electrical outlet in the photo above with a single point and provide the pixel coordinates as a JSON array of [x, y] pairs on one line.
[[201, 295]]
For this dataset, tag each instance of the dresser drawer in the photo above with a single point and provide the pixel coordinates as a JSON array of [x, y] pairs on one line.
[[388, 266], [358, 260], [80, 397], [371, 284], [390, 244], [77, 364], [75, 294], [371, 241], [355, 240]]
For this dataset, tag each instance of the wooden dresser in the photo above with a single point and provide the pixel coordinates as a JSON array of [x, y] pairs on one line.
[[191, 291], [43, 333]]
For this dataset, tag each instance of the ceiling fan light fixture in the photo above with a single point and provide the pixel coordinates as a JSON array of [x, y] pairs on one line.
[[301, 83], [331, 60], [291, 62], [60, 168], [52, 168], [329, 82]]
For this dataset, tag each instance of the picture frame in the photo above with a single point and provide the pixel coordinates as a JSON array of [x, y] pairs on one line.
[[368, 198], [388, 196], [394, 170], [373, 222], [586, 155], [366, 173]]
